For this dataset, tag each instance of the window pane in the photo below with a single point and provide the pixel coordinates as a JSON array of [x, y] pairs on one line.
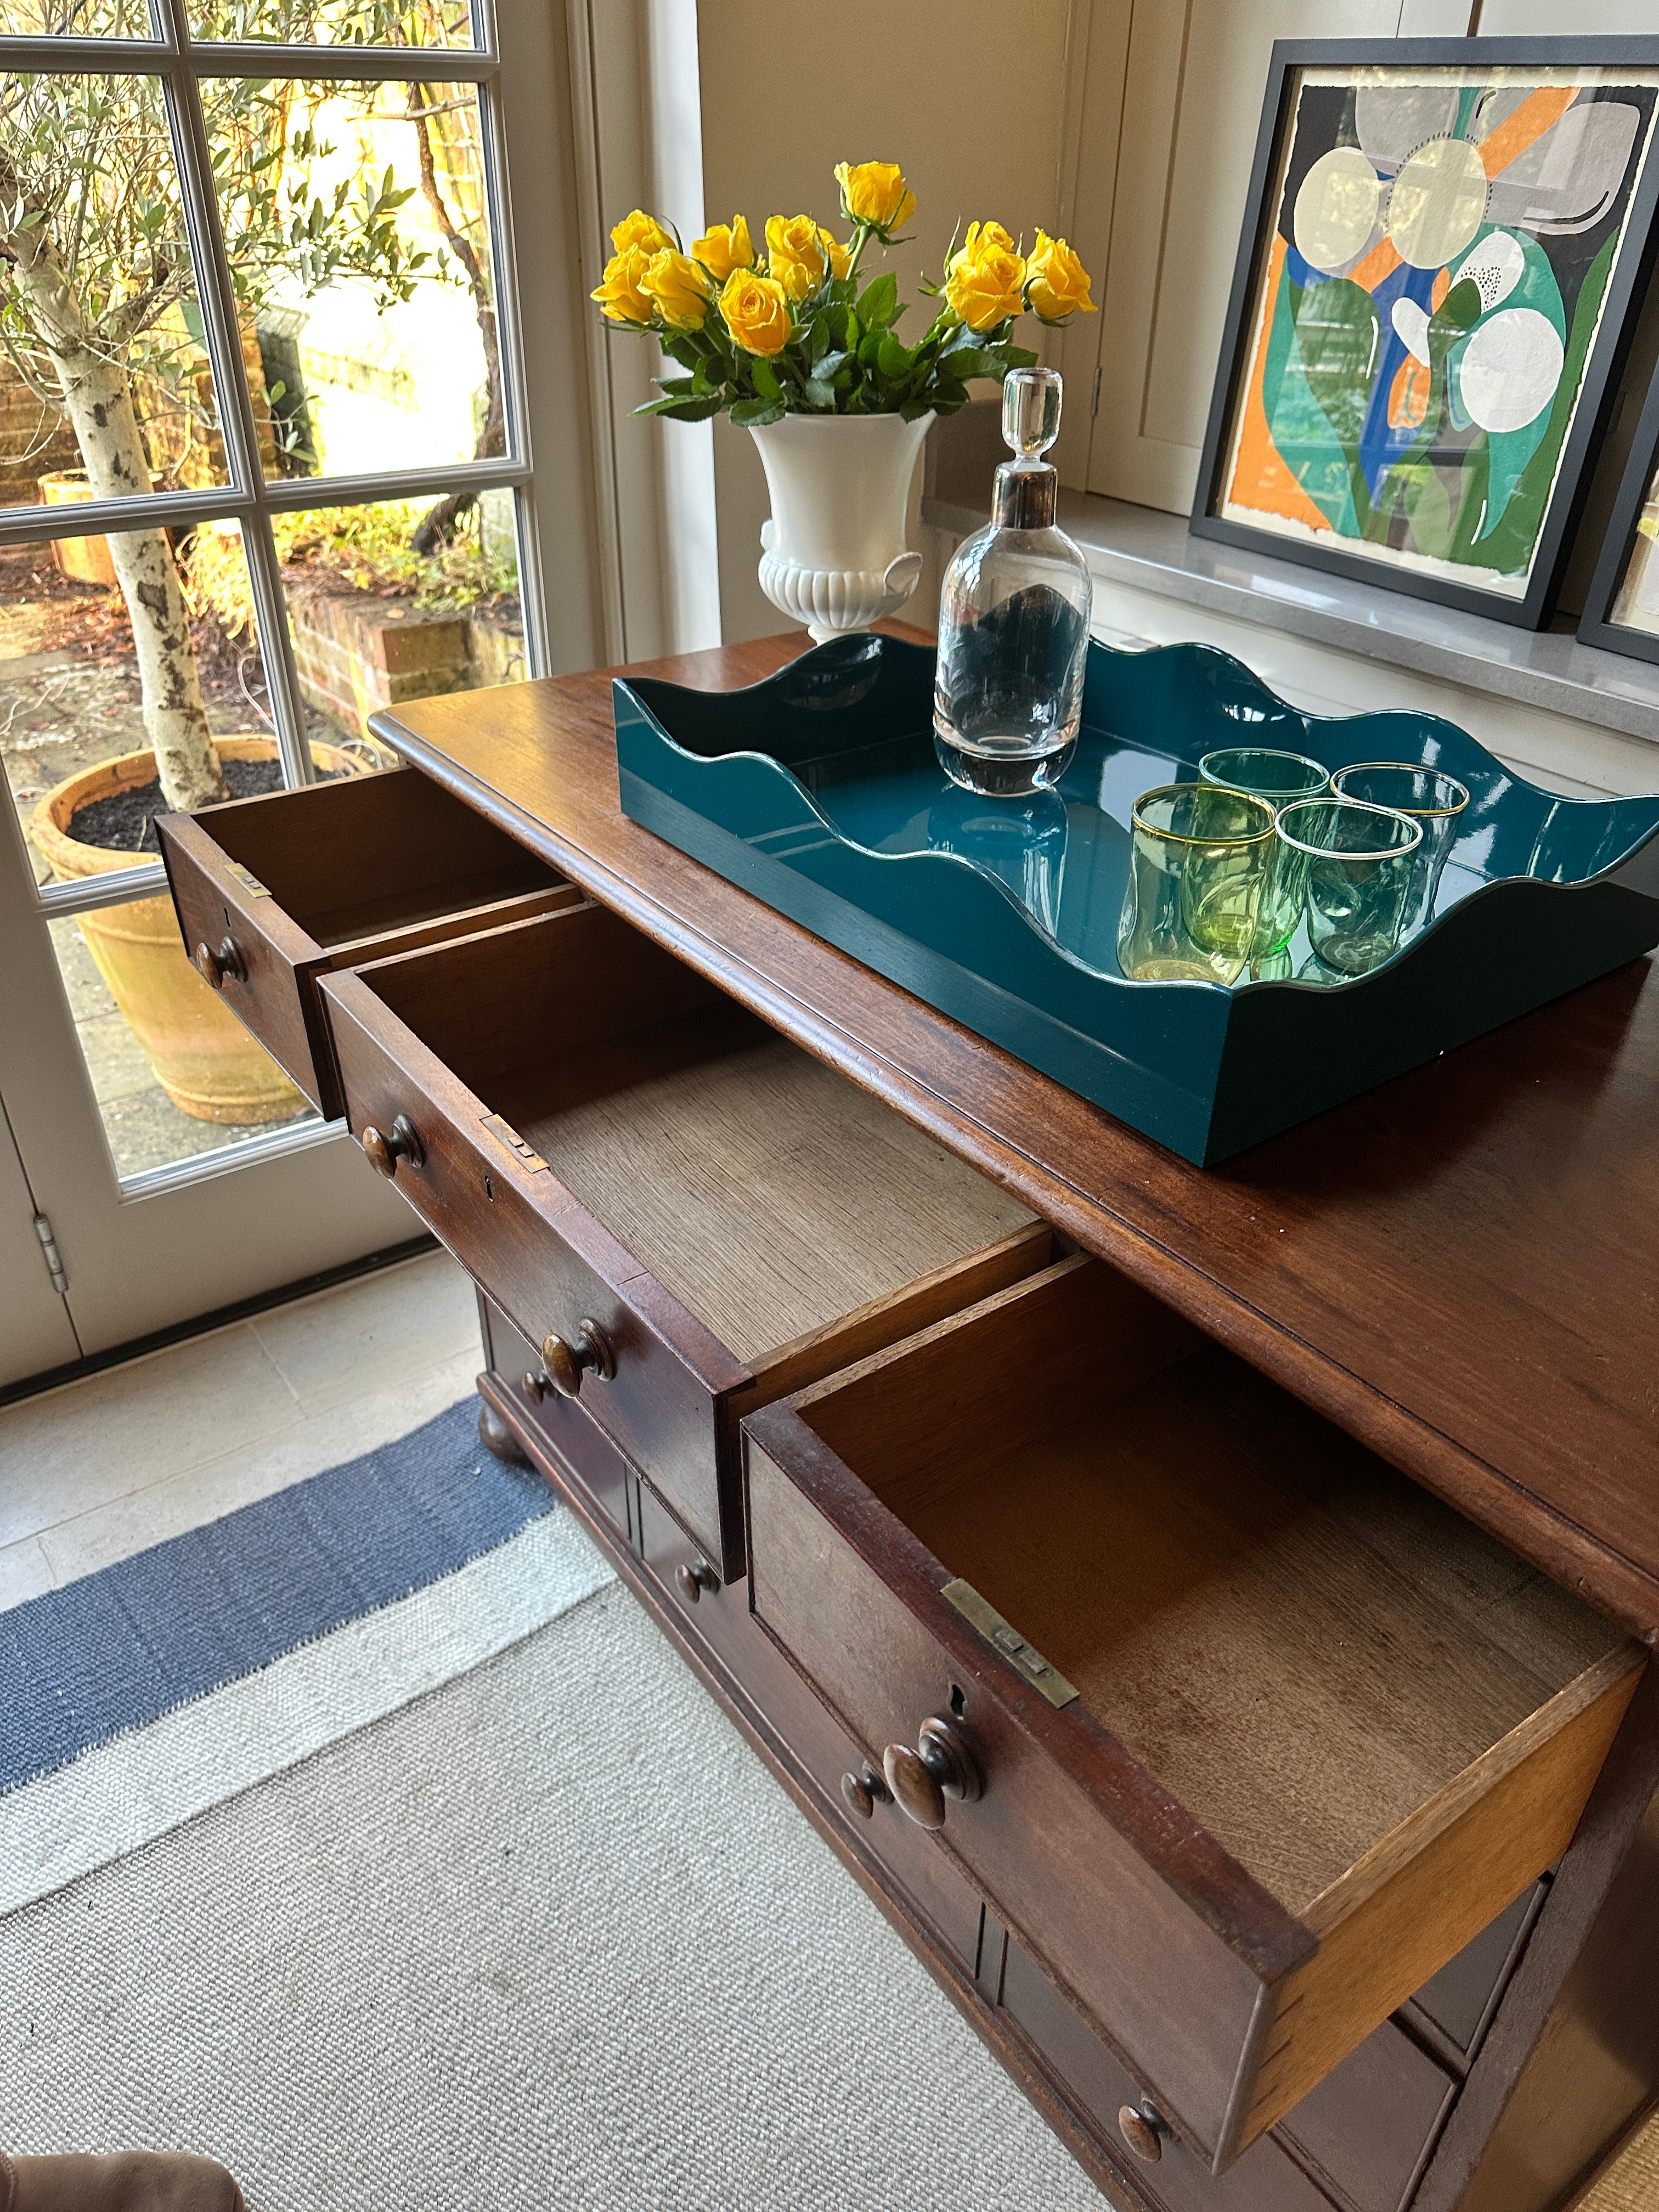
[[105, 385], [75, 19], [377, 620], [73, 694], [355, 218], [338, 22], [175, 1072]]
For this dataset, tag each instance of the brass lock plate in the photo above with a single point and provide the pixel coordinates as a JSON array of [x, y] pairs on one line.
[[245, 880], [509, 1139], [1006, 1641]]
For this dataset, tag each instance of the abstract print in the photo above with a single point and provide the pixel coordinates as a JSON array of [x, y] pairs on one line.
[[1442, 248]]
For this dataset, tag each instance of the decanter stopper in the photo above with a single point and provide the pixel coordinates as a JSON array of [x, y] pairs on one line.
[[1027, 487]]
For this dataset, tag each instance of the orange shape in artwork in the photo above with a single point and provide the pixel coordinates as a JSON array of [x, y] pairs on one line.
[[1379, 264], [1529, 123], [1408, 396], [1259, 477], [1438, 291]]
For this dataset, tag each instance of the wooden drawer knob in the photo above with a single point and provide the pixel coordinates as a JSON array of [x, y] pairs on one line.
[[567, 1359], [694, 1580], [1143, 2128], [863, 1791], [941, 1766], [214, 967], [384, 1152]]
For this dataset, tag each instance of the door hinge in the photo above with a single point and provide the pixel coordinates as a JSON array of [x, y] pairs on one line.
[[50, 1252], [1094, 403]]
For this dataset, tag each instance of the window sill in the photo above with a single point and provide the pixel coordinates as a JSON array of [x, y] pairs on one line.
[[1148, 550]]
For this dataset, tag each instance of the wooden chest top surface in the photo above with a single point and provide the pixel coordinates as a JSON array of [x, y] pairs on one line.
[[1461, 1268]]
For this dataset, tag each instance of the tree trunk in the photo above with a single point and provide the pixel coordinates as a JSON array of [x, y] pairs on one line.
[[438, 525], [98, 397]]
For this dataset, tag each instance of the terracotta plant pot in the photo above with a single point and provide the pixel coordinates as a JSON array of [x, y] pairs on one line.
[[87, 560], [203, 1059]]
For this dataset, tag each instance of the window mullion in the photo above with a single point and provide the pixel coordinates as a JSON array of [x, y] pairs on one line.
[[509, 338], [215, 289]]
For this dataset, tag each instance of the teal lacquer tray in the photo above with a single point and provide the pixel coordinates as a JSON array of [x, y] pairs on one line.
[[818, 790]]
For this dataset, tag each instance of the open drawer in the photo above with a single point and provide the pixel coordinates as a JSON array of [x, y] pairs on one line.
[[688, 1214], [271, 892], [1242, 1732]]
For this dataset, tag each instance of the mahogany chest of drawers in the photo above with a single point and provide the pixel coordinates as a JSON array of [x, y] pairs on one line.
[[1210, 1619]]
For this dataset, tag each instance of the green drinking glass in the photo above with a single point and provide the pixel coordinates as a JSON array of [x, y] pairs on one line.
[[1356, 863], [1280, 778], [1424, 795], [1201, 857]]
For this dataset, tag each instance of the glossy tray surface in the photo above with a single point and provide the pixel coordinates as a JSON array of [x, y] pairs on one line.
[[819, 790]]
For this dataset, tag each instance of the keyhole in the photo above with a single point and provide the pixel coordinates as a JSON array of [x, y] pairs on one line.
[[489, 1190], [957, 1701]]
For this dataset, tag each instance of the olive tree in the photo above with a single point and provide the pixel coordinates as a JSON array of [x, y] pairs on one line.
[[96, 284]]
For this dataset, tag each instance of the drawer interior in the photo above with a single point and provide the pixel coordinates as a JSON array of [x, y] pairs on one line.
[[772, 1197], [1302, 1645], [364, 855]]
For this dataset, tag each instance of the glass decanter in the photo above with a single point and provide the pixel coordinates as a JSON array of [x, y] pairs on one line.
[[1013, 622]]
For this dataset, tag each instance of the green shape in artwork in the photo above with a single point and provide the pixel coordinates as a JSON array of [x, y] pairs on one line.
[[1508, 548], [1428, 507], [1324, 394], [1298, 426], [1510, 450]]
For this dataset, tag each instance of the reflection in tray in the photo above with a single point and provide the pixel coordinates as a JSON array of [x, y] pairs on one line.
[[818, 790]]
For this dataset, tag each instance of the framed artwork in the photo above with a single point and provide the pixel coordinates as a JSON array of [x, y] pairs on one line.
[[1432, 298], [1622, 611]]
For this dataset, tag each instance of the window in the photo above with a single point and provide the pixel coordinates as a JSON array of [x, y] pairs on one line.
[[262, 459]]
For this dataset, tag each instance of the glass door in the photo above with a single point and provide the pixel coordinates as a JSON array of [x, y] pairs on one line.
[[263, 470]]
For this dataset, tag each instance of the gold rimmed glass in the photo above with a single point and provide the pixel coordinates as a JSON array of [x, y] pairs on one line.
[[1355, 862], [1280, 778], [1201, 857], [1428, 797]]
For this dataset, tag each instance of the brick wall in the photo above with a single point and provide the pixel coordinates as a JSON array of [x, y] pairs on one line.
[[358, 651], [24, 424]]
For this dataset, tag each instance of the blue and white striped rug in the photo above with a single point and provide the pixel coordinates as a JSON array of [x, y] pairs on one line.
[[134, 1699]]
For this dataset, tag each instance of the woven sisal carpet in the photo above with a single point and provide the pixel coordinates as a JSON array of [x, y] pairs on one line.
[[548, 1936], [470, 1898]]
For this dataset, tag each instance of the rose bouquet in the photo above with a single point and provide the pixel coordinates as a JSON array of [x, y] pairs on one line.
[[806, 334]]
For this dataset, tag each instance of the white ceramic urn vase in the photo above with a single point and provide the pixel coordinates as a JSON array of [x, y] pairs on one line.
[[834, 555]]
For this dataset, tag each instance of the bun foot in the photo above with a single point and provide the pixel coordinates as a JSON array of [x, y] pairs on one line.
[[495, 1437]]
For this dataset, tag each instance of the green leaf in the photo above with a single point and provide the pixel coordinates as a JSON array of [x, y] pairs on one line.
[[893, 360], [755, 414], [820, 394], [879, 302], [685, 410], [767, 381], [678, 384], [964, 362]]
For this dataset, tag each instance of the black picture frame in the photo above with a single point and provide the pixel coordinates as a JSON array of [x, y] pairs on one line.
[[1597, 626], [1602, 368]]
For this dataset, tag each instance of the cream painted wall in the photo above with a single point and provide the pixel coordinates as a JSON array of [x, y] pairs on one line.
[[967, 94]]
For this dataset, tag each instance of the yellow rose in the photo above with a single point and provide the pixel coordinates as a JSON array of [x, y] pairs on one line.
[[985, 282], [1056, 282], [795, 253], [874, 193], [724, 247], [623, 295], [840, 257], [640, 230], [757, 311], [680, 290]]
